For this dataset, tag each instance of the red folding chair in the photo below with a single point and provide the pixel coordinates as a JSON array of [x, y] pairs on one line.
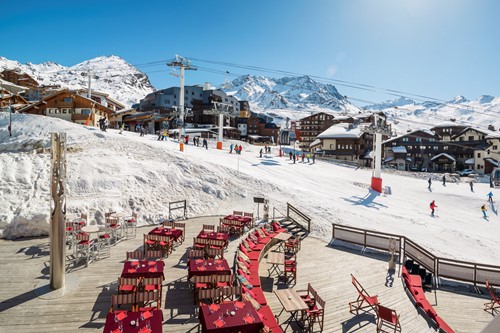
[[364, 300], [387, 318], [495, 299]]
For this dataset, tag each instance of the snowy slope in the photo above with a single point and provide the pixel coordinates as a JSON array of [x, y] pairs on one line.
[[127, 172], [111, 75], [481, 112]]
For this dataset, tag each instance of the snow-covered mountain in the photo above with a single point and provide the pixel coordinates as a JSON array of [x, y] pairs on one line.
[[409, 114], [290, 94], [111, 75]]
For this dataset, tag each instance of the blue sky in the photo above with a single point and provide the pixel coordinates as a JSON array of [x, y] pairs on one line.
[[433, 48]]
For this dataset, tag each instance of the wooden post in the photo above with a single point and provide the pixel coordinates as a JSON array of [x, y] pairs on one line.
[[57, 210]]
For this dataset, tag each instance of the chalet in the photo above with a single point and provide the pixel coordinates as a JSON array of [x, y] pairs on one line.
[[70, 106], [345, 141], [312, 126], [15, 101], [420, 146], [19, 78], [103, 99], [487, 158]]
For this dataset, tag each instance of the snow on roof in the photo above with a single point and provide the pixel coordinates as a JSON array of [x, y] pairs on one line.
[[448, 124], [469, 161], [493, 135], [124, 110], [399, 149], [443, 155], [425, 130], [315, 143], [341, 130]]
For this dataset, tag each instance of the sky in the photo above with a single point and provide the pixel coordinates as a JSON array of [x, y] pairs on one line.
[[432, 48]]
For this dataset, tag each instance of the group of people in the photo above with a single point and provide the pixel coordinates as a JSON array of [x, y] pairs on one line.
[[295, 157], [433, 205], [237, 149], [196, 141]]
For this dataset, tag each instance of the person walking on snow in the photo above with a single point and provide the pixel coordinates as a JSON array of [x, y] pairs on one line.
[[483, 209], [240, 149], [490, 197], [444, 180], [314, 158], [430, 182], [303, 156], [290, 155], [471, 186], [231, 148], [432, 207], [205, 143], [260, 152]]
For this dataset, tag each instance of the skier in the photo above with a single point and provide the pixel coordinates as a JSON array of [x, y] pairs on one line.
[[483, 209], [444, 180], [231, 149], [290, 155], [205, 143], [240, 149], [261, 152], [430, 182], [308, 157], [194, 141], [142, 131], [490, 197], [122, 127], [471, 186], [314, 158], [186, 139], [303, 156], [432, 207]]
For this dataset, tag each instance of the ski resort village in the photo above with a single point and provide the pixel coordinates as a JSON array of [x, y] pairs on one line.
[[220, 191]]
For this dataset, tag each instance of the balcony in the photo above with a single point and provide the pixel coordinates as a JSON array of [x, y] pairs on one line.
[[77, 117], [67, 105]]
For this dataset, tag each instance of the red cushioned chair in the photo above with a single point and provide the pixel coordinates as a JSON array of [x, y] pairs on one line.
[[495, 299]]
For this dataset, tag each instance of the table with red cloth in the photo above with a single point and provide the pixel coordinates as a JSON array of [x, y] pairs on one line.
[[143, 268], [171, 233], [154, 317], [208, 267], [214, 235], [244, 219], [217, 318]]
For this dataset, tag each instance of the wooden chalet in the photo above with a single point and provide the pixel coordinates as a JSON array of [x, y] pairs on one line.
[[70, 106], [15, 101]]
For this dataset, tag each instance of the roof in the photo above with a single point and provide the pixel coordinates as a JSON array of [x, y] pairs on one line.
[[425, 130], [492, 161], [451, 158], [316, 142], [341, 130], [448, 124], [469, 161], [399, 149]]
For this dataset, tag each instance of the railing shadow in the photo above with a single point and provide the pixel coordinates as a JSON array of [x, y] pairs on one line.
[[101, 306]]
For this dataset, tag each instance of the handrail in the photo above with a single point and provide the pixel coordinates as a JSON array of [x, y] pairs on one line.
[[275, 209], [300, 214], [459, 270], [174, 206]]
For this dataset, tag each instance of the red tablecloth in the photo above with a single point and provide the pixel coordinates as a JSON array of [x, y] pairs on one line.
[[243, 219], [214, 235], [174, 234], [143, 268], [155, 322], [230, 323], [208, 267]]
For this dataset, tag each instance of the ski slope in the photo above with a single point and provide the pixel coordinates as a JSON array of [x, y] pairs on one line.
[[108, 170]]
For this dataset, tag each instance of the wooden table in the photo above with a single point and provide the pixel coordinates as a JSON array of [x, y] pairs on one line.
[[275, 259], [292, 303], [232, 316], [282, 237]]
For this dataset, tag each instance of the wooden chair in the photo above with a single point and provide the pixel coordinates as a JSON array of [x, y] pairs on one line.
[[495, 299], [136, 255], [84, 218], [130, 224], [220, 281], [165, 245], [230, 293], [292, 245], [196, 254], [113, 228], [201, 282], [216, 244], [147, 299], [250, 215], [316, 313], [363, 297], [127, 285], [387, 318], [210, 295], [209, 227], [237, 213], [181, 226], [215, 253], [290, 271], [150, 243], [168, 224], [200, 243], [83, 247], [123, 299], [153, 255], [152, 284], [223, 229], [307, 295]]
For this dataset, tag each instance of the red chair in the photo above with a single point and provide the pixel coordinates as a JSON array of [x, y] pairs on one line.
[[127, 285], [363, 297], [495, 299], [387, 318], [316, 313]]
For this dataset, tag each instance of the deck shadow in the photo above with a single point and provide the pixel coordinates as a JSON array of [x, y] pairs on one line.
[[358, 322], [101, 306]]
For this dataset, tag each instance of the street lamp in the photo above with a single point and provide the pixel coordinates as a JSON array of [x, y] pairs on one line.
[[10, 119]]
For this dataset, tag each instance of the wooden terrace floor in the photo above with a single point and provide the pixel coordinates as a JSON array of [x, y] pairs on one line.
[[24, 265]]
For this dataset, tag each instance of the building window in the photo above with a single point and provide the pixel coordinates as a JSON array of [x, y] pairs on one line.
[[495, 147], [68, 99], [478, 155], [405, 139], [471, 138], [436, 147], [445, 147], [64, 111], [418, 139], [85, 111]]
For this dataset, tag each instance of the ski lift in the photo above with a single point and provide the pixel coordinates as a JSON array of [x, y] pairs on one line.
[[287, 136]]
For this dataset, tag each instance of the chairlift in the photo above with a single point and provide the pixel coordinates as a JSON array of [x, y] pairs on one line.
[[287, 136]]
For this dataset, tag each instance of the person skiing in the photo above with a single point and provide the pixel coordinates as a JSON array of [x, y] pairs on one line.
[[186, 139], [231, 148], [122, 127], [483, 209], [430, 182], [444, 180], [308, 157], [471, 186], [490, 197], [261, 152], [205, 143], [240, 149], [433, 206], [290, 155]]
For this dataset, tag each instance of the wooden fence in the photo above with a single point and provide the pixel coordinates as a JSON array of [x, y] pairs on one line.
[[176, 205], [297, 217]]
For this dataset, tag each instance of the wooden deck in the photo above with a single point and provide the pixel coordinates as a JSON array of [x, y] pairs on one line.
[[24, 264]]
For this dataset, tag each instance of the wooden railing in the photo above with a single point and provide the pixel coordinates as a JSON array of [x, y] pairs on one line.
[[297, 217], [175, 205], [440, 267]]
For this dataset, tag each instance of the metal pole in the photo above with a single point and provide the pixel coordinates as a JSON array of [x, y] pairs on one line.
[[181, 103], [58, 210], [10, 120], [89, 93], [378, 155], [221, 128]]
